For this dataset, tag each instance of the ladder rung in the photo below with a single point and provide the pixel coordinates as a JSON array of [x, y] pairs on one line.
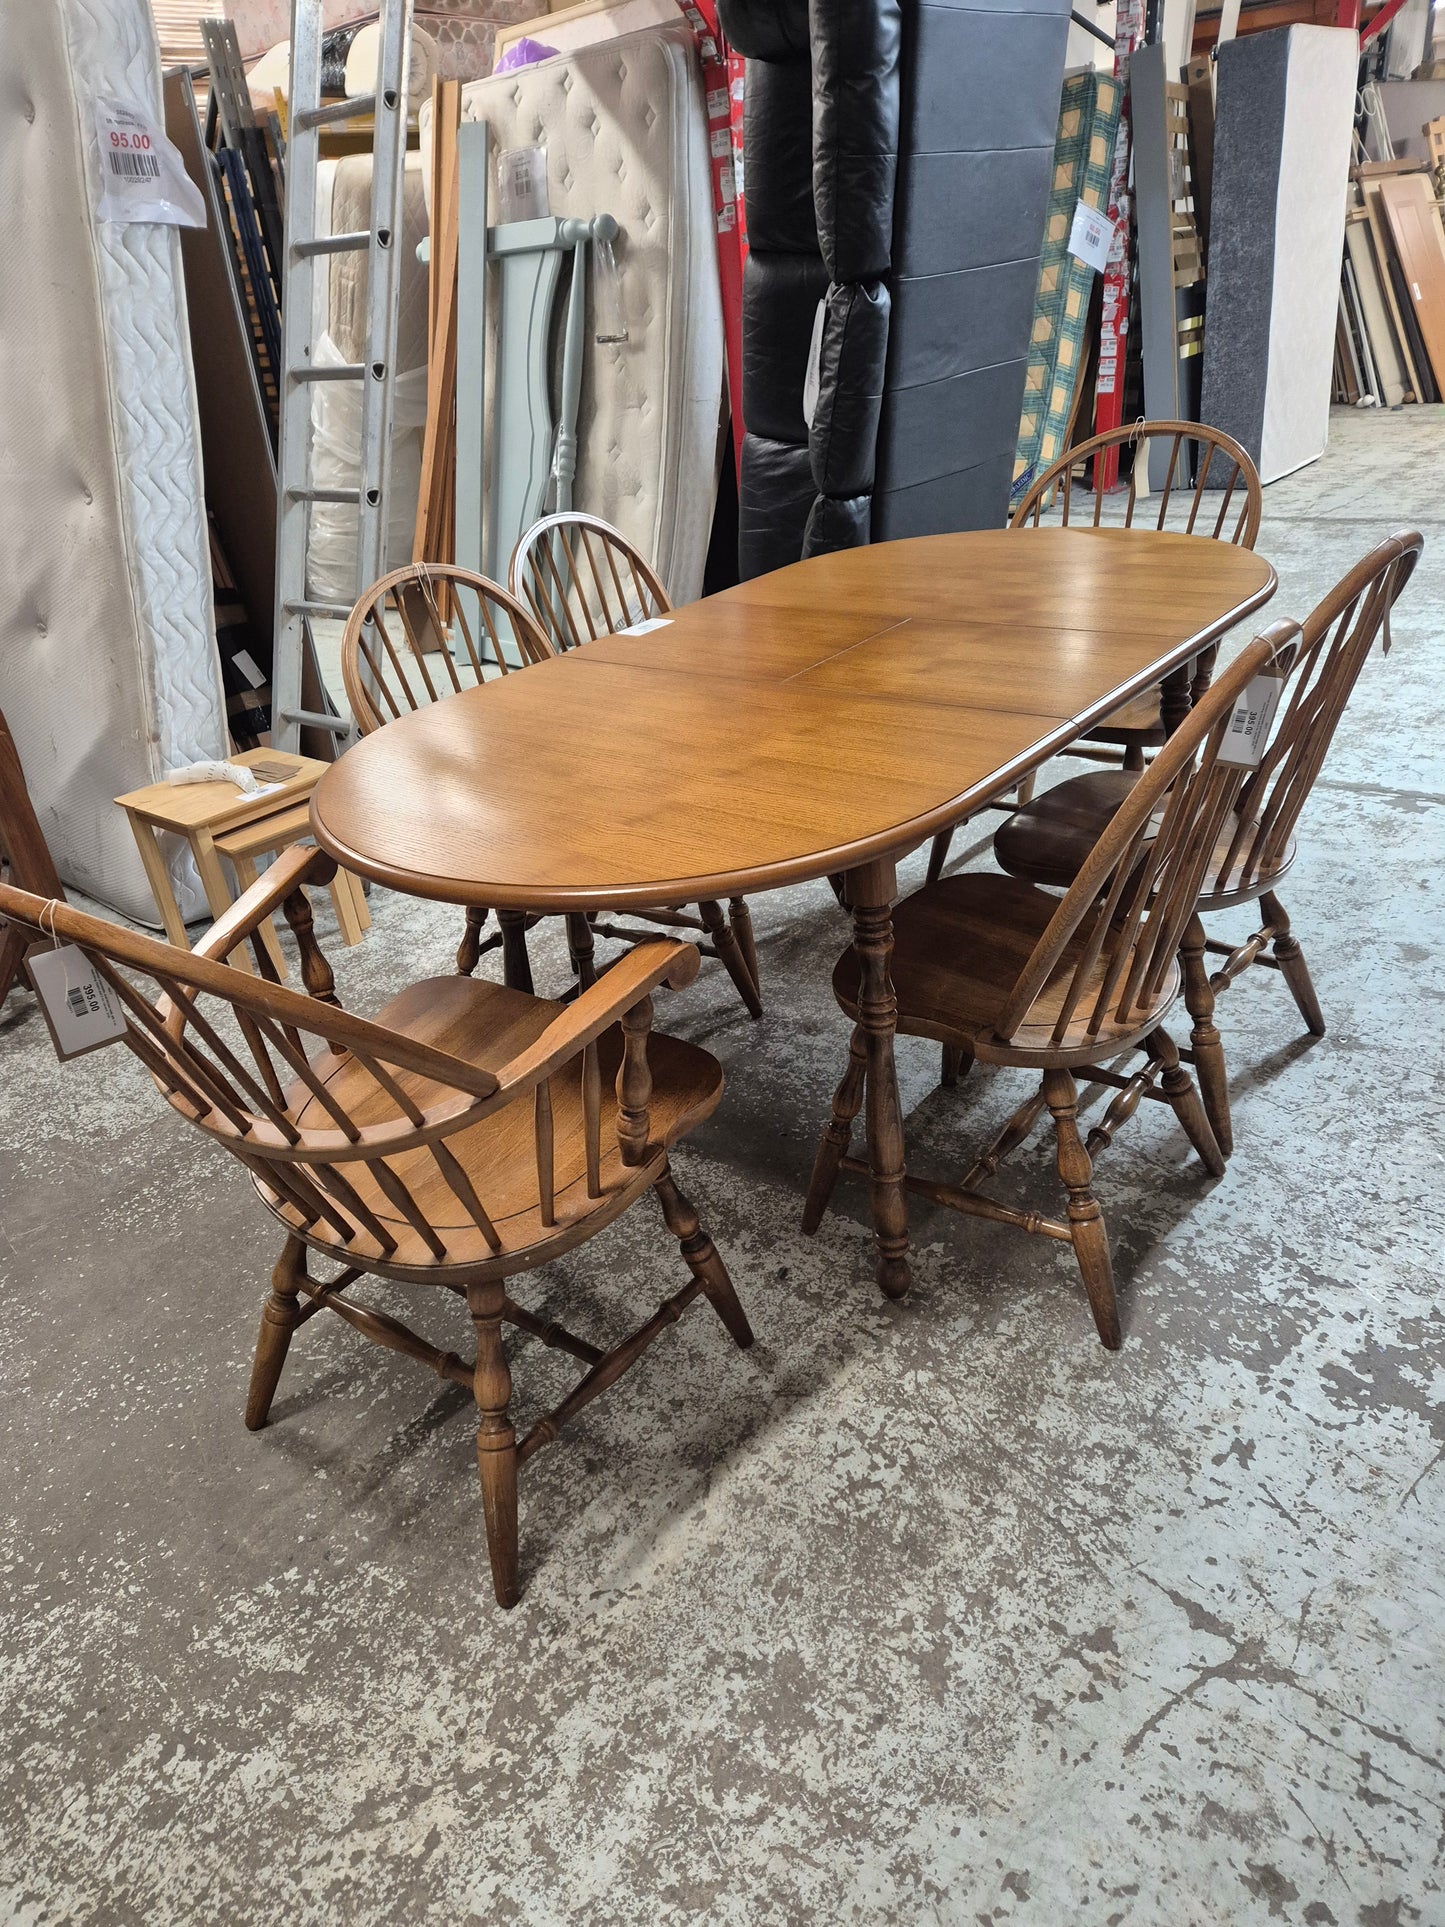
[[334, 110], [335, 244], [351, 495], [341, 371], [312, 719], [339, 610]]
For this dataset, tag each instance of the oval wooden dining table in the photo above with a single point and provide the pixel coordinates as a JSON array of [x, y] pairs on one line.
[[826, 718]]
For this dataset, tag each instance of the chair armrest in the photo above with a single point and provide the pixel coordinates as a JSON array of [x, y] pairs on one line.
[[302, 863], [618, 990]]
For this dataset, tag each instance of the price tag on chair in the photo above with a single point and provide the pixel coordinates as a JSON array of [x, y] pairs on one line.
[[80, 1009], [1248, 729]]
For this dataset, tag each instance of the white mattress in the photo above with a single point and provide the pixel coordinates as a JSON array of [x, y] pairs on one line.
[[624, 126], [109, 673]]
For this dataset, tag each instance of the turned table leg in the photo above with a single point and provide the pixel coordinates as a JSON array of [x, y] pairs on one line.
[[871, 891]]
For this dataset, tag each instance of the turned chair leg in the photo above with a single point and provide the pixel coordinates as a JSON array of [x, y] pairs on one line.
[[938, 855], [730, 952], [741, 919], [581, 945], [516, 964], [1204, 1038], [1133, 756], [280, 1316], [496, 1440], [957, 1062], [469, 950], [837, 1132], [702, 1258], [1086, 1220], [1178, 1086], [1292, 967]]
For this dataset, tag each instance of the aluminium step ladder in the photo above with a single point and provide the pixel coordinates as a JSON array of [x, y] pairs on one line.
[[377, 372]]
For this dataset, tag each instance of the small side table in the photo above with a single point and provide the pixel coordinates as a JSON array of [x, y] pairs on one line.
[[217, 821]]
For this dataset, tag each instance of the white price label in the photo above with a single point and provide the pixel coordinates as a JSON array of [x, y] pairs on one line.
[[81, 1009], [1248, 729], [646, 628], [142, 175], [1091, 236]]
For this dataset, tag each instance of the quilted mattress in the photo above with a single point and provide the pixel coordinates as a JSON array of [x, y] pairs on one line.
[[625, 131], [109, 672]]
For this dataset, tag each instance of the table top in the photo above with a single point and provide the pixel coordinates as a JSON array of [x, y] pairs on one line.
[[806, 722]]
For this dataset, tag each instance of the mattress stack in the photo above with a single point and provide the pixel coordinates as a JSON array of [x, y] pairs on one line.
[[109, 671]]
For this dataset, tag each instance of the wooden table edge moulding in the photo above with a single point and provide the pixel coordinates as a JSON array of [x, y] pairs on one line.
[[829, 717]]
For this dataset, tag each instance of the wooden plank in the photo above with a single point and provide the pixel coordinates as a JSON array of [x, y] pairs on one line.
[[1414, 222]]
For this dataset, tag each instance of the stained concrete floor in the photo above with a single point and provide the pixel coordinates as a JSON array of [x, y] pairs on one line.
[[931, 1612]]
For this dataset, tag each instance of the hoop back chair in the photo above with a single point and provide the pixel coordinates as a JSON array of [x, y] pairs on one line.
[[583, 579], [466, 1133], [408, 642], [1005, 972], [1219, 463], [25, 859], [1046, 842]]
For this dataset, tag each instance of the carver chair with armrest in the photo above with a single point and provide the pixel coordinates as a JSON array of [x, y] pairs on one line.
[[1047, 842], [1003, 972], [1222, 503], [409, 642], [464, 1135], [582, 579], [25, 859]]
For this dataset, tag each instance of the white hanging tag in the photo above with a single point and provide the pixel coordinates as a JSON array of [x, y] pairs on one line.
[[1248, 730], [1091, 236], [142, 176], [79, 1006]]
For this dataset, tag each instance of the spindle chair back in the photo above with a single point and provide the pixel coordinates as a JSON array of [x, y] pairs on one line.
[[1119, 924], [468, 1133], [1219, 464], [582, 579], [1223, 501], [25, 859], [409, 640], [1258, 846]]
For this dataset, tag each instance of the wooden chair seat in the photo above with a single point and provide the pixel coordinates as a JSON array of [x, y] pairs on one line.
[[1049, 839], [959, 946], [489, 1026]]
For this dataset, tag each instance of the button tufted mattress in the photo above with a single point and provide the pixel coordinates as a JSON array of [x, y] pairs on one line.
[[109, 673], [625, 132]]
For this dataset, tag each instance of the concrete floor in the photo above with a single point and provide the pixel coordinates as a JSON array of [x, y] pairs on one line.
[[932, 1612]]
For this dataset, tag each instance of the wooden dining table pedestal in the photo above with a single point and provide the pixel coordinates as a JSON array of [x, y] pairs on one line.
[[823, 720]]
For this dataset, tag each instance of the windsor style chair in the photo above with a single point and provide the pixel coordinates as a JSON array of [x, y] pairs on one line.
[[408, 642], [1223, 503], [582, 580], [1047, 842], [466, 1133], [25, 859], [1001, 971]]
